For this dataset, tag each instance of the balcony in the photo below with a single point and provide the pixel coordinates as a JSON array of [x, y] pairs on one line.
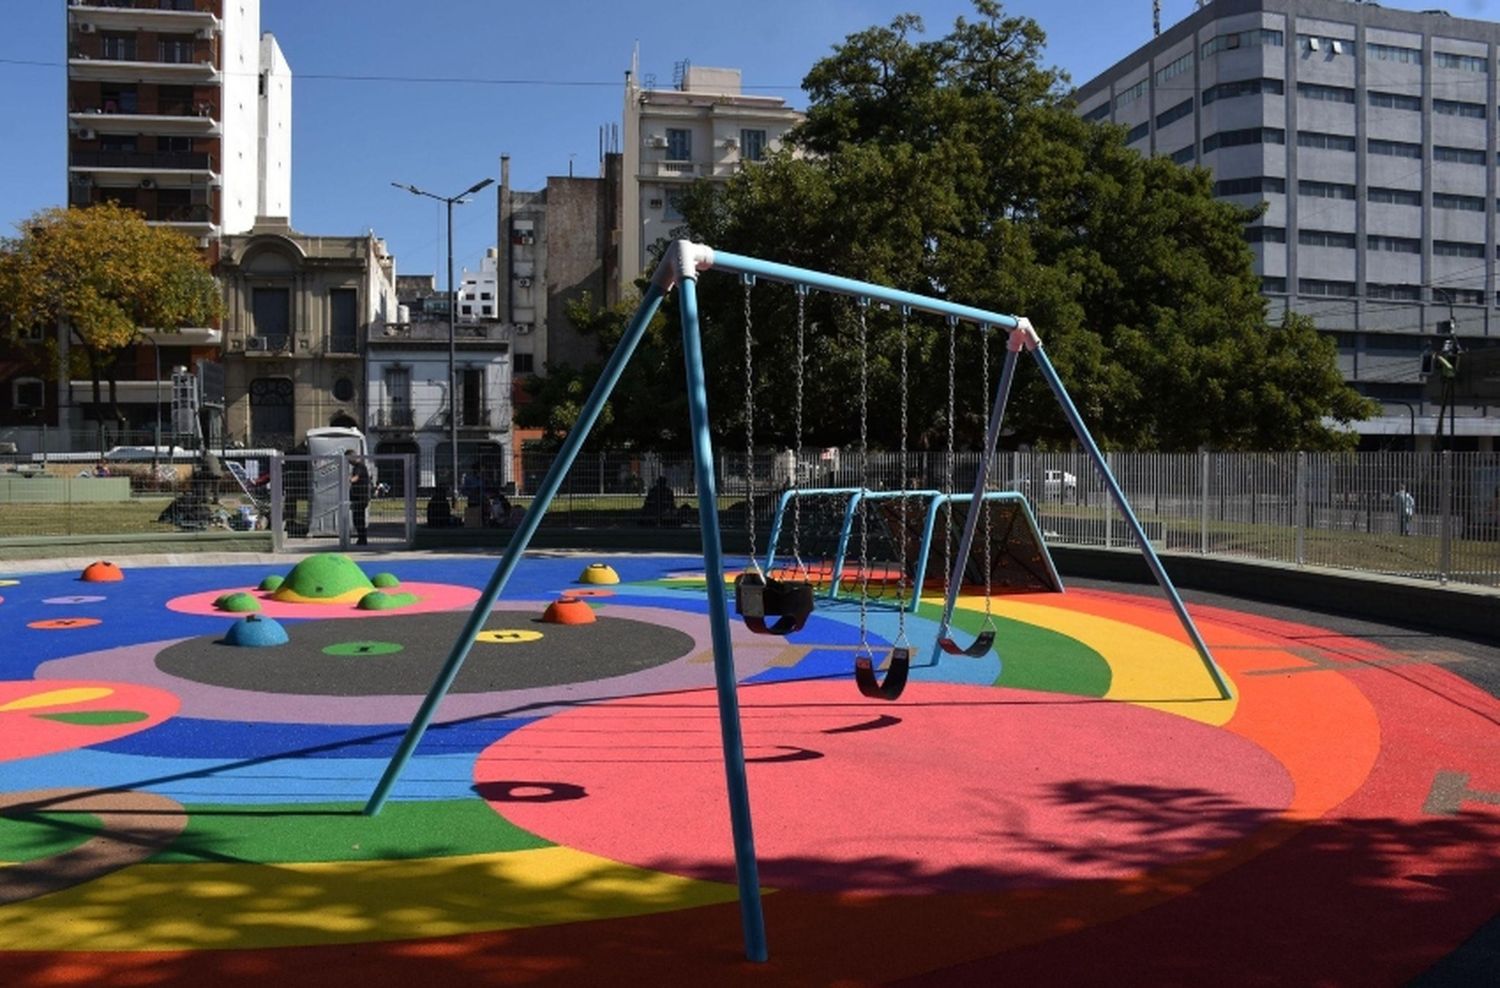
[[197, 118], [169, 16], [164, 65], [394, 417], [143, 161]]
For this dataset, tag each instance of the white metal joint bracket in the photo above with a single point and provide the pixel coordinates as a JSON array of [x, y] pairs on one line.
[[1023, 336], [683, 259]]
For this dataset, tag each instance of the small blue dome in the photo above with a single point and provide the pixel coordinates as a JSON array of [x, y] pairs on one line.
[[255, 631]]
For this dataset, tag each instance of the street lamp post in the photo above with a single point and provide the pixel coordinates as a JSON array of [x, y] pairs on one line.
[[450, 202]]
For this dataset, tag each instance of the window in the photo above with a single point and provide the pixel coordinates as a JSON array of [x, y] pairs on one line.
[[118, 98], [1323, 43], [1325, 142], [1185, 155], [1393, 197], [343, 320], [1461, 63], [1449, 200], [467, 310], [1397, 245], [1457, 108], [1174, 69], [343, 389], [1249, 186], [523, 363], [1127, 96], [1393, 53], [1325, 191], [1254, 38], [28, 392], [1328, 94], [471, 396], [1325, 238], [176, 48], [1459, 296], [272, 411], [1394, 149], [1397, 293], [679, 144], [271, 316], [398, 396], [1273, 285], [1140, 130], [117, 142], [1395, 101], [1265, 234], [1100, 112], [486, 296], [1319, 286], [1455, 248], [1243, 87], [117, 47], [1183, 109], [752, 145], [1458, 156], [1238, 138], [174, 145], [672, 208]]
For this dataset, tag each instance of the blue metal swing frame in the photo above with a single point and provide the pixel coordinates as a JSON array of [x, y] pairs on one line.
[[680, 269]]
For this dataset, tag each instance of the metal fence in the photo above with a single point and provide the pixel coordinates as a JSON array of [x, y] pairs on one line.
[[1341, 510]]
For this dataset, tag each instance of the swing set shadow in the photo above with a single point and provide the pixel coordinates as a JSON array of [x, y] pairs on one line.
[[680, 269]]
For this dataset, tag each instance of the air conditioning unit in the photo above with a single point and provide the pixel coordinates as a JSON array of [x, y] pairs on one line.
[[85, 28], [730, 144], [205, 33], [148, 183], [86, 135], [656, 141], [257, 344], [523, 282]]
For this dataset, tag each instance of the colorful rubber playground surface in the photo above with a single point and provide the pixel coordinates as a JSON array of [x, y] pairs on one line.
[[1081, 808]]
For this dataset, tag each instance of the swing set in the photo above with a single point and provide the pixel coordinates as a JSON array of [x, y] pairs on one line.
[[681, 268]]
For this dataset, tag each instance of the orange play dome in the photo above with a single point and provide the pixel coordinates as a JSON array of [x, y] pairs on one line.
[[568, 610], [102, 572]]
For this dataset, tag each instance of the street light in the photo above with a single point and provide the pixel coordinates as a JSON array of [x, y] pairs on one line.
[[450, 201]]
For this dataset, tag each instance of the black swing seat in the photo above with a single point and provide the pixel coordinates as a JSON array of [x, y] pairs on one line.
[[895, 675], [982, 644], [757, 598]]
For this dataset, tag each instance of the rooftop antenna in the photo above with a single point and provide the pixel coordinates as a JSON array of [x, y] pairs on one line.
[[1156, 18]]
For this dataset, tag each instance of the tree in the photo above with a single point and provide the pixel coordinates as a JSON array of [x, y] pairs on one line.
[[956, 168], [106, 274]]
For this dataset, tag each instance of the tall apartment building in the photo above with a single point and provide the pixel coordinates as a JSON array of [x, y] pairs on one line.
[[180, 109], [1370, 134], [705, 127]]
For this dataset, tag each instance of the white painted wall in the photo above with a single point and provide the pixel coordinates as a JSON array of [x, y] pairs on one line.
[[240, 115], [474, 285], [274, 131]]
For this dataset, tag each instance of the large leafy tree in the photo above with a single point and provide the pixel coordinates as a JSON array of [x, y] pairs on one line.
[[106, 274], [955, 167]]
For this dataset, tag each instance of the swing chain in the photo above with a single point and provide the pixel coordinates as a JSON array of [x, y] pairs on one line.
[[797, 427], [748, 281], [901, 460], [864, 440], [983, 505], [952, 428]]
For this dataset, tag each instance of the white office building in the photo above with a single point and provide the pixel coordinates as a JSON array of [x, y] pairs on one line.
[[1370, 135]]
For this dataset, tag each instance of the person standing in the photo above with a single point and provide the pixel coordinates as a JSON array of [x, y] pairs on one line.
[[1406, 506], [359, 496]]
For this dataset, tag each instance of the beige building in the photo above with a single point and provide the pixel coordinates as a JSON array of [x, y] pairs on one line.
[[705, 127], [298, 312]]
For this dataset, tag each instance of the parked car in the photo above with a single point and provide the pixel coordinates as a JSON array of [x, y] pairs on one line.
[[1059, 484], [1055, 485]]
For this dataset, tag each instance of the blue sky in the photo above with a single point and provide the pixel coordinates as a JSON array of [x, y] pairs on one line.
[[553, 76]]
